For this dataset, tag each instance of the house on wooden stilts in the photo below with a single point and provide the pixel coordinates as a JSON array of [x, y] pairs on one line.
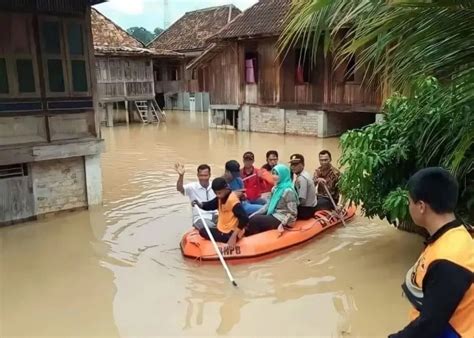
[[124, 71], [175, 86], [253, 88], [50, 141]]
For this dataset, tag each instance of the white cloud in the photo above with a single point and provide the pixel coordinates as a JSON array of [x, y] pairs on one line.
[[130, 7]]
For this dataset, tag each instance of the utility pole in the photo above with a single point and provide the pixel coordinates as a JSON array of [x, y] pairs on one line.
[[166, 14]]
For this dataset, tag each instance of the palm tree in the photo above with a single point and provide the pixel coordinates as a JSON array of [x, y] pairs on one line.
[[401, 42]]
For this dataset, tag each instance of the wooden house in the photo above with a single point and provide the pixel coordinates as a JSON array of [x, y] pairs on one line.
[[175, 86], [124, 71], [254, 88], [50, 141]]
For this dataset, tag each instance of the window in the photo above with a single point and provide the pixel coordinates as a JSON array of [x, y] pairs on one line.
[[13, 170], [51, 33], [56, 76], [251, 67], [75, 41], [302, 66], [4, 88], [79, 76], [349, 74], [65, 58], [158, 74], [51, 39], [26, 76], [194, 74], [174, 74], [18, 67]]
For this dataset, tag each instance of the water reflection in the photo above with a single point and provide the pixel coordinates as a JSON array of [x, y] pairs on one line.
[[117, 270]]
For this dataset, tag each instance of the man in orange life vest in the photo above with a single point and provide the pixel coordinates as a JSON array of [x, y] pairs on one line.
[[232, 216], [440, 284]]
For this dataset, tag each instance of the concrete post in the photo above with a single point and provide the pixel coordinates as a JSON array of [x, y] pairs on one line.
[[93, 179], [127, 116], [110, 115]]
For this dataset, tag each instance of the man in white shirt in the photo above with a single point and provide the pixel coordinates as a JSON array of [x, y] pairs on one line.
[[200, 191]]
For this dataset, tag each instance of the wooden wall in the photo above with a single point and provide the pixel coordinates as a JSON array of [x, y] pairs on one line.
[[33, 49], [124, 78], [224, 77], [268, 73], [46, 6], [293, 92], [276, 85]]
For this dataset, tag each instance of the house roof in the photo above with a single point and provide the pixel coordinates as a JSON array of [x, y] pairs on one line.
[[112, 40], [133, 51], [265, 18], [107, 33], [192, 30]]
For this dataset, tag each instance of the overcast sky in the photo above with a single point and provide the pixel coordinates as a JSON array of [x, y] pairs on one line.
[[149, 13]]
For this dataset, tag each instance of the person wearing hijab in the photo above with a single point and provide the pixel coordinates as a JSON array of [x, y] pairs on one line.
[[282, 207]]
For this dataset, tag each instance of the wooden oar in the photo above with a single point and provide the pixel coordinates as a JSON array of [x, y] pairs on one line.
[[333, 203], [216, 248]]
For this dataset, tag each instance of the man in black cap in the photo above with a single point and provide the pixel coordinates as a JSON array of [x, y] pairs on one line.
[[255, 180], [304, 186], [232, 176]]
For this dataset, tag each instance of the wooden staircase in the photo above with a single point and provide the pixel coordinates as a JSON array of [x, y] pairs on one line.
[[150, 112]]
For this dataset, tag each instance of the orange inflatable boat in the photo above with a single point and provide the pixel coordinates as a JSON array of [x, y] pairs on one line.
[[194, 246]]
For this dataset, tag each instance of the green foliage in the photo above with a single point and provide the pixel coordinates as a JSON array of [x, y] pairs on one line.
[[141, 34], [158, 31], [432, 127], [428, 122], [399, 41]]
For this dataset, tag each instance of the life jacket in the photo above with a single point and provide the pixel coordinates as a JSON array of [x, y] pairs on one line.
[[253, 184], [457, 246], [227, 221]]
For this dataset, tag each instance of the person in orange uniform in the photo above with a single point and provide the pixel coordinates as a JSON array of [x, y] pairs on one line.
[[232, 216], [440, 285], [255, 180]]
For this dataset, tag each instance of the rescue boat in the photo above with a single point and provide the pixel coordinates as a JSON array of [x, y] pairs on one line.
[[194, 246]]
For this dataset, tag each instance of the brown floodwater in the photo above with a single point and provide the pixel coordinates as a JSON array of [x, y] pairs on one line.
[[117, 271]]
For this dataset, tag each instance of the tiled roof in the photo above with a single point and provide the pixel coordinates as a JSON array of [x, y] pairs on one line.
[[106, 33], [192, 30], [265, 18], [132, 51]]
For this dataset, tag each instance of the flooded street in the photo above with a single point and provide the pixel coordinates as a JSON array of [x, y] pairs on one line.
[[117, 270]]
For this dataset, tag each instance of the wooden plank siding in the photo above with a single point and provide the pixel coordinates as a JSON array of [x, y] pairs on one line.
[[268, 73], [127, 78], [326, 88], [224, 78], [29, 104]]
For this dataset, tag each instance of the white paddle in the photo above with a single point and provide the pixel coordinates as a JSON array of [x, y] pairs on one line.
[[216, 248]]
